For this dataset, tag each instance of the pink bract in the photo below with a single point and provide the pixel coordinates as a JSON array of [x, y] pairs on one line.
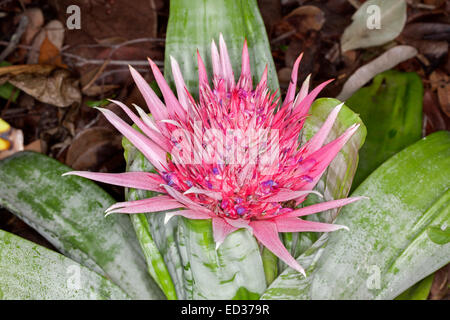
[[229, 157]]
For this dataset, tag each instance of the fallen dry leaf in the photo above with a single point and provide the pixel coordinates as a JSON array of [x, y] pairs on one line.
[[392, 20], [306, 18], [36, 21], [444, 98], [430, 38], [434, 51], [364, 74], [434, 119], [56, 88], [109, 23], [34, 146], [284, 76], [26, 68], [50, 54], [92, 148], [53, 32], [440, 287], [427, 31], [440, 82]]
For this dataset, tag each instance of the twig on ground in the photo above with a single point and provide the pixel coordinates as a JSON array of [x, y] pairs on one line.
[[12, 45], [111, 72], [113, 46], [96, 76], [419, 5], [83, 61], [283, 36]]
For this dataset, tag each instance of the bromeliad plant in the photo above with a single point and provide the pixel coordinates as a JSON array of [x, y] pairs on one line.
[[221, 185], [230, 157]]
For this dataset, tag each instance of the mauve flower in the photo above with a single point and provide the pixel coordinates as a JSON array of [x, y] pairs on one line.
[[230, 157]]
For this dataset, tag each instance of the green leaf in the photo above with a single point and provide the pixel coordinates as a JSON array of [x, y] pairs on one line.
[[154, 85], [419, 291], [391, 108], [98, 103], [270, 262], [29, 271], [194, 24], [7, 90], [69, 213], [388, 248], [375, 23]]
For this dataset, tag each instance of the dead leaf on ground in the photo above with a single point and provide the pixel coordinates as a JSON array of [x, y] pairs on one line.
[[434, 119], [434, 51], [110, 23], [440, 287], [392, 20], [441, 83], [93, 148], [49, 54], [35, 23], [57, 88], [306, 18], [54, 33], [364, 74], [26, 68], [430, 38], [35, 146], [284, 77], [427, 31]]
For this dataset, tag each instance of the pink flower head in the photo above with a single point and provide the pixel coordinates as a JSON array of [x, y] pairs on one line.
[[229, 157]]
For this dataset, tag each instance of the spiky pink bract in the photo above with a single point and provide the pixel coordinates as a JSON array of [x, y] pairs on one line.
[[229, 157]]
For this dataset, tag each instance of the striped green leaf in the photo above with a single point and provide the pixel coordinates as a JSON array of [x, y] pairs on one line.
[[29, 271], [388, 247], [193, 24], [69, 213]]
